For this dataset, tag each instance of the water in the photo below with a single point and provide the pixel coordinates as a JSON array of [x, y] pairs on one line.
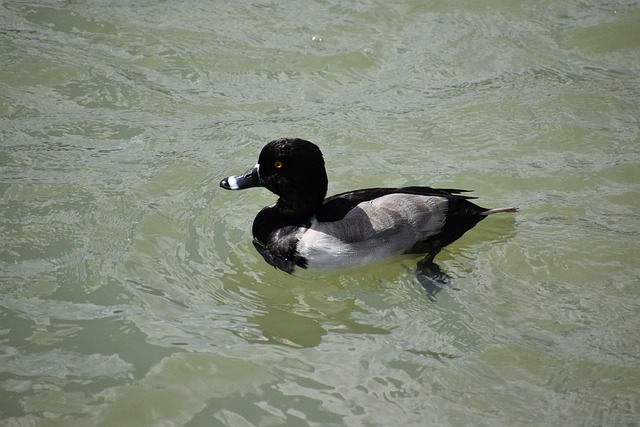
[[130, 291]]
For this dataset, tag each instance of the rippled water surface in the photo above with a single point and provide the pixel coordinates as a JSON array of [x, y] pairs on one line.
[[130, 293]]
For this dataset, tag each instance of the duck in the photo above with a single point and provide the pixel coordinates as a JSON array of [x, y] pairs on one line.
[[304, 229]]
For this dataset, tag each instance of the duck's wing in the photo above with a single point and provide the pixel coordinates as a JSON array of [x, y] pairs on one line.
[[338, 206], [402, 217], [374, 229]]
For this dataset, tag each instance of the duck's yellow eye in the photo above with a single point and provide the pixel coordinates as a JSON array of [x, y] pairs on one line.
[[278, 164]]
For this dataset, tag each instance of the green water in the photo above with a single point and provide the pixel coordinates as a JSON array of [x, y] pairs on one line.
[[130, 293]]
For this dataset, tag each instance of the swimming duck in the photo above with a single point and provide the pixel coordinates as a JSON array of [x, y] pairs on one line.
[[303, 229]]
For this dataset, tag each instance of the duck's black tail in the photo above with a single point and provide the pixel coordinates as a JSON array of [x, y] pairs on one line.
[[462, 215]]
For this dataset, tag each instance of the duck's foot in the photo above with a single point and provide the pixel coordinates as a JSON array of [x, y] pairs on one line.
[[431, 277]]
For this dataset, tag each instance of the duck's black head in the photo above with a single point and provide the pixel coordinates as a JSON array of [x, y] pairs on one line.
[[293, 169]]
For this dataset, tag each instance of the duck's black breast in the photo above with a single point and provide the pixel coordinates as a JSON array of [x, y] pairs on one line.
[[276, 237]]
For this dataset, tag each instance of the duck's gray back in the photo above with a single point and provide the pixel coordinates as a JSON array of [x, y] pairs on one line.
[[373, 230]]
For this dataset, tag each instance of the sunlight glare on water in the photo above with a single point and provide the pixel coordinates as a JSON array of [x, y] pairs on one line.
[[131, 293]]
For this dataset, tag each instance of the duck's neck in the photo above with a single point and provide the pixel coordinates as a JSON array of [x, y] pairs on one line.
[[299, 207], [302, 198]]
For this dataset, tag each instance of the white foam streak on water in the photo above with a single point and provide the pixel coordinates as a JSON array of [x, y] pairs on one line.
[[131, 293]]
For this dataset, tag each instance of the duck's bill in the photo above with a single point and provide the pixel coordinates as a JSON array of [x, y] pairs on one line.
[[238, 182]]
